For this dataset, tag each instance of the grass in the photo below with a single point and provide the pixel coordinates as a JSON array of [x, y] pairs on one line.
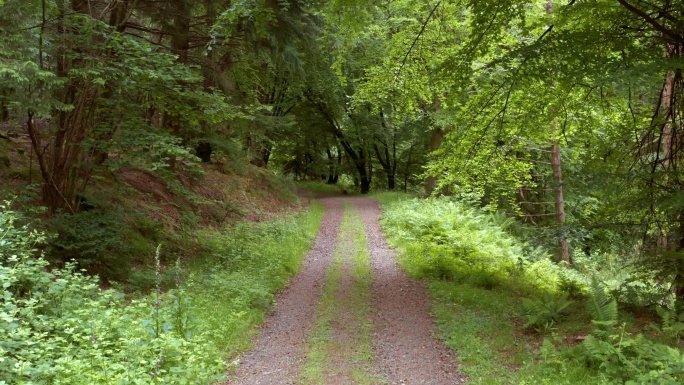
[[350, 358], [60, 326], [65, 326], [319, 186], [322, 187], [484, 328], [233, 286]]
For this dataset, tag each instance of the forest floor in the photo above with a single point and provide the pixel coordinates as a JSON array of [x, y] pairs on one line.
[[351, 316]]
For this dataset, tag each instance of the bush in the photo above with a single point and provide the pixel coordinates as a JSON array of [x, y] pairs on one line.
[[465, 252], [542, 313], [98, 240], [445, 239], [59, 327]]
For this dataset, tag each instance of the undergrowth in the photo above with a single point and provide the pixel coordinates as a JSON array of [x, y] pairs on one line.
[[59, 326], [512, 315]]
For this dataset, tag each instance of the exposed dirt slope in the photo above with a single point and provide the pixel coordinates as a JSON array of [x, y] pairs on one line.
[[225, 192]]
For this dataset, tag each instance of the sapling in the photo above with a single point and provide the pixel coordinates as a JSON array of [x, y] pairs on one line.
[[181, 303], [156, 331]]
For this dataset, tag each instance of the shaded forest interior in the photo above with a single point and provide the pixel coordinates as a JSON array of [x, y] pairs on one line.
[[125, 123]]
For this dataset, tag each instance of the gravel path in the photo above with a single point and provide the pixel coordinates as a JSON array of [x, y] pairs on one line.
[[278, 352], [341, 351], [405, 350]]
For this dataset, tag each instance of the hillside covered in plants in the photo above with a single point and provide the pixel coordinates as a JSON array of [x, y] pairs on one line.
[[157, 163]]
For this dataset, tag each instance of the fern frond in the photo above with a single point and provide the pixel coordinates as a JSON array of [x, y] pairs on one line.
[[545, 311], [667, 316], [601, 306], [597, 348]]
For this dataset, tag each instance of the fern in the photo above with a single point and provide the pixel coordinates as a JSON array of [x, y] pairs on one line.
[[672, 323], [598, 349], [601, 306], [545, 311]]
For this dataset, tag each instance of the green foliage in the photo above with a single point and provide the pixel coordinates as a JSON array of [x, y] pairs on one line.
[[234, 285], [672, 322], [623, 358], [446, 239], [634, 360], [97, 239], [603, 308], [542, 313], [320, 187], [478, 321], [59, 326]]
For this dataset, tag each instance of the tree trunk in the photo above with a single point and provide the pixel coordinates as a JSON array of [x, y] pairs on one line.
[[4, 113], [436, 137], [360, 158], [339, 165], [564, 252], [678, 283], [670, 146], [64, 165], [331, 167], [388, 165], [365, 184], [180, 45], [391, 182], [559, 202], [365, 174], [408, 165]]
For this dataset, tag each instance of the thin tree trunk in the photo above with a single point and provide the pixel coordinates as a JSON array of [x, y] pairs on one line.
[[559, 202], [670, 145], [408, 165], [4, 112], [180, 45]]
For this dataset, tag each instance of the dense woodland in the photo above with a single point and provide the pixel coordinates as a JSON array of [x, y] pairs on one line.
[[566, 116]]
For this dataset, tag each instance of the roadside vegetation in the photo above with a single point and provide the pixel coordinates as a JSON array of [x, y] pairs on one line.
[[513, 316], [555, 127], [60, 326]]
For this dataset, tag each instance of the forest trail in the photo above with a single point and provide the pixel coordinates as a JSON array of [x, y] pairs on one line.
[[351, 316]]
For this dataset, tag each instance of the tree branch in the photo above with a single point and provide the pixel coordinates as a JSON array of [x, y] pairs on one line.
[[650, 20], [420, 33]]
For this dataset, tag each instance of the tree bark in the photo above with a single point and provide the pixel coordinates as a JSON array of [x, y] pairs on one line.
[[436, 137], [670, 147], [559, 203]]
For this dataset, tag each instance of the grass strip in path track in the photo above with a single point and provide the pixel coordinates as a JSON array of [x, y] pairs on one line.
[[339, 349]]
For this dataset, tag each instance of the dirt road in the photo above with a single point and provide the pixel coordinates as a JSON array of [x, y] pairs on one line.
[[321, 324]]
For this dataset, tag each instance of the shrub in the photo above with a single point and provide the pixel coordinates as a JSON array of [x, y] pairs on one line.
[[95, 239], [59, 327], [623, 358]]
